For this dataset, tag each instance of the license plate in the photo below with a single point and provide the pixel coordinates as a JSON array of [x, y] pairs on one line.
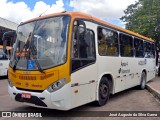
[[26, 95]]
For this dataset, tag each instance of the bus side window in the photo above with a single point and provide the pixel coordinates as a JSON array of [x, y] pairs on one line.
[[126, 46], [82, 44], [83, 47], [148, 50], [107, 42], [102, 46], [75, 43], [90, 44], [138, 45]]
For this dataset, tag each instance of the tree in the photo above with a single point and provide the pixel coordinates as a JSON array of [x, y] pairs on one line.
[[143, 17]]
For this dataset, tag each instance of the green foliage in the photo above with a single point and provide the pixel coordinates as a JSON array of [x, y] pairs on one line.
[[143, 17]]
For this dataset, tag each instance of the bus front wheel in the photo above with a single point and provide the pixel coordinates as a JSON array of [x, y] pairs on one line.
[[103, 92], [143, 81]]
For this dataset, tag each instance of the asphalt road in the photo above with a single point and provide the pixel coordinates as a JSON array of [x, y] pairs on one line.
[[129, 100]]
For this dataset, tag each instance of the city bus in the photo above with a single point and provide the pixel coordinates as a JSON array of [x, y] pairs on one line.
[[4, 61], [68, 59], [5, 51]]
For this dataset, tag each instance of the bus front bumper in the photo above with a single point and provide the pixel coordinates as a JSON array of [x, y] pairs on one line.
[[59, 99]]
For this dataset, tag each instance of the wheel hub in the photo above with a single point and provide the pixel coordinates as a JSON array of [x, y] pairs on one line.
[[103, 91]]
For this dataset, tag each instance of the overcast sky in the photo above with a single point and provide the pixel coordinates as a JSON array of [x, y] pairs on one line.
[[21, 10]]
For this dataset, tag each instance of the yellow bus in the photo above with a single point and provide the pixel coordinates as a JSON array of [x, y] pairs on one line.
[[68, 59]]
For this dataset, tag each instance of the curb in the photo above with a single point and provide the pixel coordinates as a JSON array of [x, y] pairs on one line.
[[153, 91]]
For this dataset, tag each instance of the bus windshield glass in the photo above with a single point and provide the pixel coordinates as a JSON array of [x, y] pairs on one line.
[[41, 43]]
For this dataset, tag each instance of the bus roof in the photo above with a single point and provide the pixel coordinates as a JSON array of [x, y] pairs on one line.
[[89, 17]]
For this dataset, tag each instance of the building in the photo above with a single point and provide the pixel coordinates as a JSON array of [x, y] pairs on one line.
[[6, 25]]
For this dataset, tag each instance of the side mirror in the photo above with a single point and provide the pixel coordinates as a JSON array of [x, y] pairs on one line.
[[80, 23], [81, 28], [8, 37]]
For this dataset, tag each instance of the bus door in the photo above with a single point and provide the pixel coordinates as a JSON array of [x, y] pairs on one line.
[[83, 67]]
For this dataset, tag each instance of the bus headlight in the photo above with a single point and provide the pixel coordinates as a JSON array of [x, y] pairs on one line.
[[57, 85], [10, 83]]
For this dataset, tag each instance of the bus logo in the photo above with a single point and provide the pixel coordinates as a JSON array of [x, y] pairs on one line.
[[6, 114], [26, 84]]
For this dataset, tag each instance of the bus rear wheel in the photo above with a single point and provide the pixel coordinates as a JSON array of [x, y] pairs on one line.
[[103, 92], [143, 81]]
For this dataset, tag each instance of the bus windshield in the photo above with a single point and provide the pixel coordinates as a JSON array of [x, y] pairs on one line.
[[43, 41]]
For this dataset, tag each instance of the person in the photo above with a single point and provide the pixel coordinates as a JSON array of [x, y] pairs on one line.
[[112, 50]]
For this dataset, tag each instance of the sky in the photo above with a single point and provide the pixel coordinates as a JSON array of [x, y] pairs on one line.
[[22, 10]]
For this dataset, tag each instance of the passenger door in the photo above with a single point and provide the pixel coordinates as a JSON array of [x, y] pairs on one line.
[[83, 67]]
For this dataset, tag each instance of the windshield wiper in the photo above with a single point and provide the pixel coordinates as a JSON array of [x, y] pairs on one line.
[[36, 61], [32, 49]]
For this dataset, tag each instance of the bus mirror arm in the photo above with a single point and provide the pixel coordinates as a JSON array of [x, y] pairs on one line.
[[80, 22]]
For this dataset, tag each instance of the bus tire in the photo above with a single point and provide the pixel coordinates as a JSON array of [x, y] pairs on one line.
[[143, 81], [103, 92]]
